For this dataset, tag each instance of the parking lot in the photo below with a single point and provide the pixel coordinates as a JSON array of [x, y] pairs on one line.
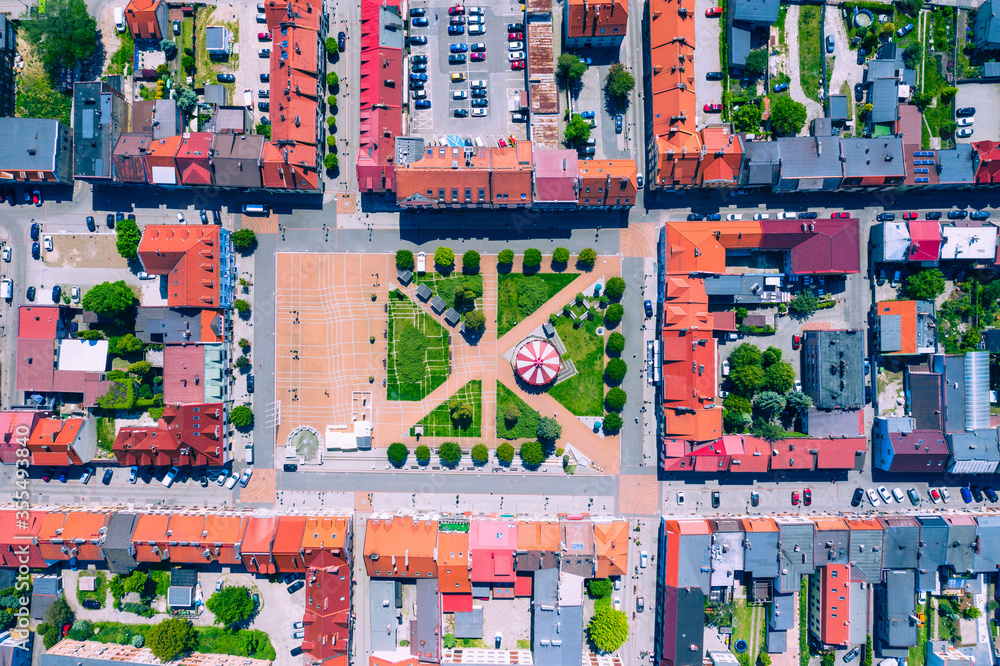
[[503, 85], [708, 31], [251, 64], [985, 98]]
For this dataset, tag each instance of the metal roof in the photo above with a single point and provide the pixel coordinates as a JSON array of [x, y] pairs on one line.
[[382, 614], [901, 540]]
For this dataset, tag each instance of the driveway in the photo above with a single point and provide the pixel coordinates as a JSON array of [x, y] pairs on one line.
[[845, 61], [791, 65], [707, 33], [985, 98]]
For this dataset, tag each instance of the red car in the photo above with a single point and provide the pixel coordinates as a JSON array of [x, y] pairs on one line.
[[264, 36], [515, 36], [795, 498], [477, 57], [457, 9], [807, 497], [841, 216], [502, 142], [796, 341], [909, 216], [517, 64], [713, 12], [713, 108], [66, 629]]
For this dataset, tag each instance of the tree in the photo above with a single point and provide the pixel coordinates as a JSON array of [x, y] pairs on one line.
[[614, 371], [109, 298], [913, 54], [560, 255], [169, 49], [126, 344], [243, 343], [63, 36], [922, 100], [614, 314], [450, 453], [244, 239], [461, 413], [735, 422], [470, 262], [619, 82], [570, 67], [798, 402], [912, 7], [128, 238], [59, 614], [764, 658], [737, 403], [265, 130], [397, 454], [548, 429], [745, 354], [804, 303], [926, 285], [241, 306], [448, 641], [587, 258], [747, 380], [615, 288], [771, 356], [331, 45], [187, 63], [887, 29], [768, 430], [612, 422], [505, 453], [331, 101], [756, 63], [788, 117], [577, 131], [332, 79], [769, 404], [422, 454], [187, 99], [140, 368], [598, 588], [948, 127], [330, 161], [511, 414], [231, 605], [532, 454], [480, 454], [971, 613], [779, 377], [474, 320], [616, 343], [615, 399], [741, 314], [241, 416], [506, 257], [171, 638], [532, 258], [444, 257], [948, 94], [608, 629], [747, 118]]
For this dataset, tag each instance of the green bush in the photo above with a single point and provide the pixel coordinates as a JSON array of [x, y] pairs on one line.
[[532, 454], [532, 258], [404, 260], [450, 454], [587, 258], [549, 429], [171, 638], [615, 288], [506, 257], [474, 320], [598, 588], [560, 255], [612, 422], [242, 306], [613, 315], [615, 399], [505, 453], [616, 344], [398, 453], [608, 629], [444, 257], [480, 454], [120, 395], [330, 161], [470, 262], [241, 416], [615, 370], [422, 454]]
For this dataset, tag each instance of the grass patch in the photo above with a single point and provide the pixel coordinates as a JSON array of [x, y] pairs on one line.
[[418, 351], [162, 579], [124, 56], [439, 422], [803, 613], [583, 393], [211, 640], [105, 433], [526, 425], [918, 653], [37, 99], [100, 593], [519, 295], [846, 91], [473, 643], [782, 14], [206, 67], [459, 292], [810, 46], [745, 628]]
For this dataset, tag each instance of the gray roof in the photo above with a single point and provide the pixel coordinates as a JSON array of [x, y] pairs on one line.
[[821, 127], [881, 156], [781, 612], [796, 539], [424, 292], [166, 119], [760, 557], [925, 399], [838, 108], [428, 630], [833, 349], [215, 93], [683, 626], [761, 163], [47, 584], [545, 587], [760, 12], [159, 325], [739, 44], [180, 597], [438, 304], [934, 537], [694, 561], [810, 157], [954, 393], [890, 331], [744, 288], [961, 542], [977, 390], [404, 275], [987, 557], [777, 642], [866, 553], [832, 422], [898, 604], [956, 165], [831, 547], [390, 27], [382, 614], [901, 541], [117, 545], [30, 144], [470, 624], [452, 317], [97, 124], [991, 69], [236, 158], [988, 26], [557, 639], [975, 445], [727, 557], [481, 590], [884, 98], [216, 38]]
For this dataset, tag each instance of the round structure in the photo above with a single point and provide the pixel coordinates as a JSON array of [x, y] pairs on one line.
[[741, 646], [863, 18], [537, 361]]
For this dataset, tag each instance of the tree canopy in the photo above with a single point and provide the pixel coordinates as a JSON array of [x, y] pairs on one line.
[[560, 255], [505, 257], [612, 422], [771, 356], [450, 453], [788, 117], [171, 638], [779, 377], [608, 629], [756, 63], [747, 380], [63, 36], [59, 614], [804, 303], [616, 343], [615, 370], [404, 259], [231, 605], [187, 99], [505, 453], [128, 238], [745, 354], [577, 131], [769, 404], [548, 429], [480, 454], [244, 239], [397, 453], [926, 285], [619, 82], [615, 399], [422, 454], [532, 258], [747, 118], [241, 416], [470, 262], [798, 402], [587, 257], [614, 314], [444, 257], [474, 320], [615, 287], [532, 454], [109, 298], [570, 67]]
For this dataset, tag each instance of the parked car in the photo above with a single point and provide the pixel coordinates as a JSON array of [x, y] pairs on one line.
[[841, 216], [754, 498], [780, 87], [250, 383], [859, 92], [905, 30], [108, 475], [932, 215], [713, 108], [872, 497], [515, 55], [762, 216], [966, 495], [648, 305], [341, 41], [957, 214], [264, 106], [640, 604], [914, 498], [515, 27], [225, 78], [859, 496], [716, 500], [977, 493], [461, 113], [734, 216], [261, 18], [245, 479], [964, 133], [264, 36], [477, 47], [517, 64], [456, 10], [965, 122], [168, 480], [420, 22], [456, 29], [909, 215], [35, 230], [644, 556], [296, 586], [830, 44], [807, 497], [991, 495], [796, 341], [808, 215], [515, 46], [852, 655], [515, 36], [714, 76], [477, 57], [418, 11], [965, 111], [231, 481], [422, 104], [56, 293], [712, 12], [795, 498], [861, 55], [133, 474], [88, 473], [885, 217], [885, 494], [480, 102], [418, 40], [30, 293], [934, 494], [264, 53], [91, 604], [979, 215], [456, 48]]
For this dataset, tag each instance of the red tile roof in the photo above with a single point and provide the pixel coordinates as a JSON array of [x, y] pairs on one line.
[[381, 85], [288, 543], [328, 608], [78, 534], [189, 256], [162, 156], [257, 544], [129, 157], [925, 240], [987, 161], [183, 374], [723, 154], [15, 429], [587, 18], [324, 535], [17, 529], [194, 158], [149, 538], [38, 330], [492, 544], [290, 167], [835, 604], [607, 182], [53, 442], [454, 563], [185, 435], [39, 321], [302, 13], [140, 15], [815, 246], [611, 543]]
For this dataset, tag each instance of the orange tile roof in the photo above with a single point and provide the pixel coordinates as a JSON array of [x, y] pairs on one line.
[[64, 535], [759, 525], [835, 604], [540, 535], [700, 425], [611, 542], [290, 167], [52, 440], [445, 173], [829, 523], [607, 182], [454, 563], [510, 175], [189, 256], [723, 154], [324, 534], [288, 543], [256, 545], [587, 18], [140, 15], [907, 311], [402, 547], [302, 13], [864, 524], [150, 537]]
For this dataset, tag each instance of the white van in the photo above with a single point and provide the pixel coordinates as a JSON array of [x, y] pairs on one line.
[[258, 209], [119, 19], [479, 142], [7, 289], [249, 454], [421, 262]]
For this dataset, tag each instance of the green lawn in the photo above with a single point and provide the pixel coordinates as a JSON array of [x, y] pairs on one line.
[[747, 629], [439, 424], [162, 579], [37, 99], [100, 594], [211, 640], [519, 295], [105, 433], [810, 50], [526, 425], [583, 393], [205, 66], [418, 351], [455, 289]]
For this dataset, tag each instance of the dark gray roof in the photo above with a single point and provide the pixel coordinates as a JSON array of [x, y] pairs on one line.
[[975, 445], [841, 350], [759, 12], [7, 578], [727, 557], [884, 98], [988, 26], [236, 158], [796, 548], [882, 156], [901, 540], [954, 393], [898, 604], [481, 590], [404, 275], [117, 544], [545, 587], [424, 292], [30, 144], [557, 639], [382, 614], [866, 553], [166, 119], [832, 422], [47, 584], [810, 157], [216, 38], [838, 108], [428, 633], [925, 399], [683, 627], [961, 542], [761, 163], [744, 288], [991, 69], [760, 556], [183, 577], [438, 304], [831, 547], [956, 166], [739, 44], [777, 642], [452, 317], [934, 537], [470, 624], [172, 325], [781, 612], [987, 556], [694, 562], [97, 124]]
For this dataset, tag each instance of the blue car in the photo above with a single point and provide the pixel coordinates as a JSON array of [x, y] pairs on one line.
[[456, 29], [422, 104], [459, 48], [715, 217], [418, 77], [780, 87], [967, 495], [979, 215], [649, 307], [420, 22], [587, 115]]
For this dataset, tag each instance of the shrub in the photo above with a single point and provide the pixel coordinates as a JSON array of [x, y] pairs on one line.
[[587, 258], [747, 380], [128, 238], [532, 454], [231, 605], [598, 588], [331, 100], [474, 320], [470, 262], [926, 285], [450, 453], [90, 335], [615, 288], [187, 62], [612, 422], [243, 343], [244, 239], [138, 641], [444, 257], [505, 453], [511, 414], [171, 638], [404, 260], [241, 306], [422, 454], [532, 258], [737, 403], [616, 343], [332, 79], [506, 257], [330, 161], [615, 370], [549, 429], [613, 315], [141, 368], [241, 416], [81, 630], [804, 303], [560, 255], [480, 454], [615, 399], [397, 453], [745, 354]]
